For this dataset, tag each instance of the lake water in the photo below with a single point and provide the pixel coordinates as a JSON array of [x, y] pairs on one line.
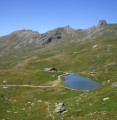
[[75, 81]]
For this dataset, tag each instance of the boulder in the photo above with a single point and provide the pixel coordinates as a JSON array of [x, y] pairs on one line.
[[114, 84], [59, 108], [107, 98]]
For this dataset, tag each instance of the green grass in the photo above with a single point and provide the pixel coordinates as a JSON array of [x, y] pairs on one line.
[[81, 58]]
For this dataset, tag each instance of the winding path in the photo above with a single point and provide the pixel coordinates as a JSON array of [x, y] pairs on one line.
[[50, 114], [34, 86], [38, 86]]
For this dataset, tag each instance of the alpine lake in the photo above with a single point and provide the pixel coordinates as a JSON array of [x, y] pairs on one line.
[[75, 81]]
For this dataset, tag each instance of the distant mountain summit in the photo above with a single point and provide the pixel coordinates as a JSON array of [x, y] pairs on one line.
[[102, 24], [34, 40], [68, 29]]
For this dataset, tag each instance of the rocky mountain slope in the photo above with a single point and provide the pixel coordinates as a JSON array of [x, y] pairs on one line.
[[22, 43], [25, 38]]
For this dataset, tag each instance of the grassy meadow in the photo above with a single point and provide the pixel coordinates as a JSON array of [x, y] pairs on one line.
[[26, 103]]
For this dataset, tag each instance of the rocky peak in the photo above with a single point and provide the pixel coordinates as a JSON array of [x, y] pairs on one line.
[[101, 24], [68, 29]]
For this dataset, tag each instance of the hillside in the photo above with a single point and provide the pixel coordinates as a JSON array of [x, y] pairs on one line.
[[27, 38], [24, 55]]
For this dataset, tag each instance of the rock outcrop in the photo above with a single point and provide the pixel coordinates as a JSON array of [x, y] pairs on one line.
[[59, 107], [51, 36], [102, 24], [114, 84], [68, 29]]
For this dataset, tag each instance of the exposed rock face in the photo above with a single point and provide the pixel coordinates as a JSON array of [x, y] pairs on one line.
[[51, 36], [114, 84], [102, 24], [59, 108], [68, 29], [91, 30]]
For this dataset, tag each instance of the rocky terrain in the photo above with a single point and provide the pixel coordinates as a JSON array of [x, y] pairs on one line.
[[25, 38]]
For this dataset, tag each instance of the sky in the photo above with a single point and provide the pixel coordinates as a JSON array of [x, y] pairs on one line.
[[45, 15]]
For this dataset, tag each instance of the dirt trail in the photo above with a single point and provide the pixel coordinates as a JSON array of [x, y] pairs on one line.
[[47, 103], [59, 79], [38, 86], [55, 83], [24, 86]]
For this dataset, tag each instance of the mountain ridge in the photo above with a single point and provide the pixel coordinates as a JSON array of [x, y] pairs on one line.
[[67, 27], [26, 38]]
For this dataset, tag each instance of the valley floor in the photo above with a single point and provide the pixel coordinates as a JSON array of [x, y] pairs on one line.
[[27, 92], [27, 102]]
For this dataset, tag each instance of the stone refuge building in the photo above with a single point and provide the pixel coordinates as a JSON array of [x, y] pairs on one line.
[[51, 69]]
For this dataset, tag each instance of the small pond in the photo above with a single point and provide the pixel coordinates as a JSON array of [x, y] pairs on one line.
[[75, 81]]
